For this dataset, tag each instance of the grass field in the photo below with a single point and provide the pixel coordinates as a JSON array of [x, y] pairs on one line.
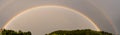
[[0, 33]]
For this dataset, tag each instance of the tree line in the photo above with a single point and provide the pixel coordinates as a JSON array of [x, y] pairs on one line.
[[79, 32], [12, 32]]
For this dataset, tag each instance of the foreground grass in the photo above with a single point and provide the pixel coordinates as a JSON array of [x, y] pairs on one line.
[[0, 33]]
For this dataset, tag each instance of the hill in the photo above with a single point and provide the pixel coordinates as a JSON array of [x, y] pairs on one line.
[[79, 32]]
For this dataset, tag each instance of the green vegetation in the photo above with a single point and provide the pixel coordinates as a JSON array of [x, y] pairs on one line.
[[79, 32], [0, 33], [58, 32], [11, 32]]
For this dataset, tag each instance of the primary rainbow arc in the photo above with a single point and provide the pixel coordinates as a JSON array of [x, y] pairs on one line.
[[75, 11]]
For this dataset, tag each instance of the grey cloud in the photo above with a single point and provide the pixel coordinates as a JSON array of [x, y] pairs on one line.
[[93, 11]]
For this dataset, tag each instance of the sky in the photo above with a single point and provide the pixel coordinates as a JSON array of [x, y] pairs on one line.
[[41, 21], [105, 13]]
